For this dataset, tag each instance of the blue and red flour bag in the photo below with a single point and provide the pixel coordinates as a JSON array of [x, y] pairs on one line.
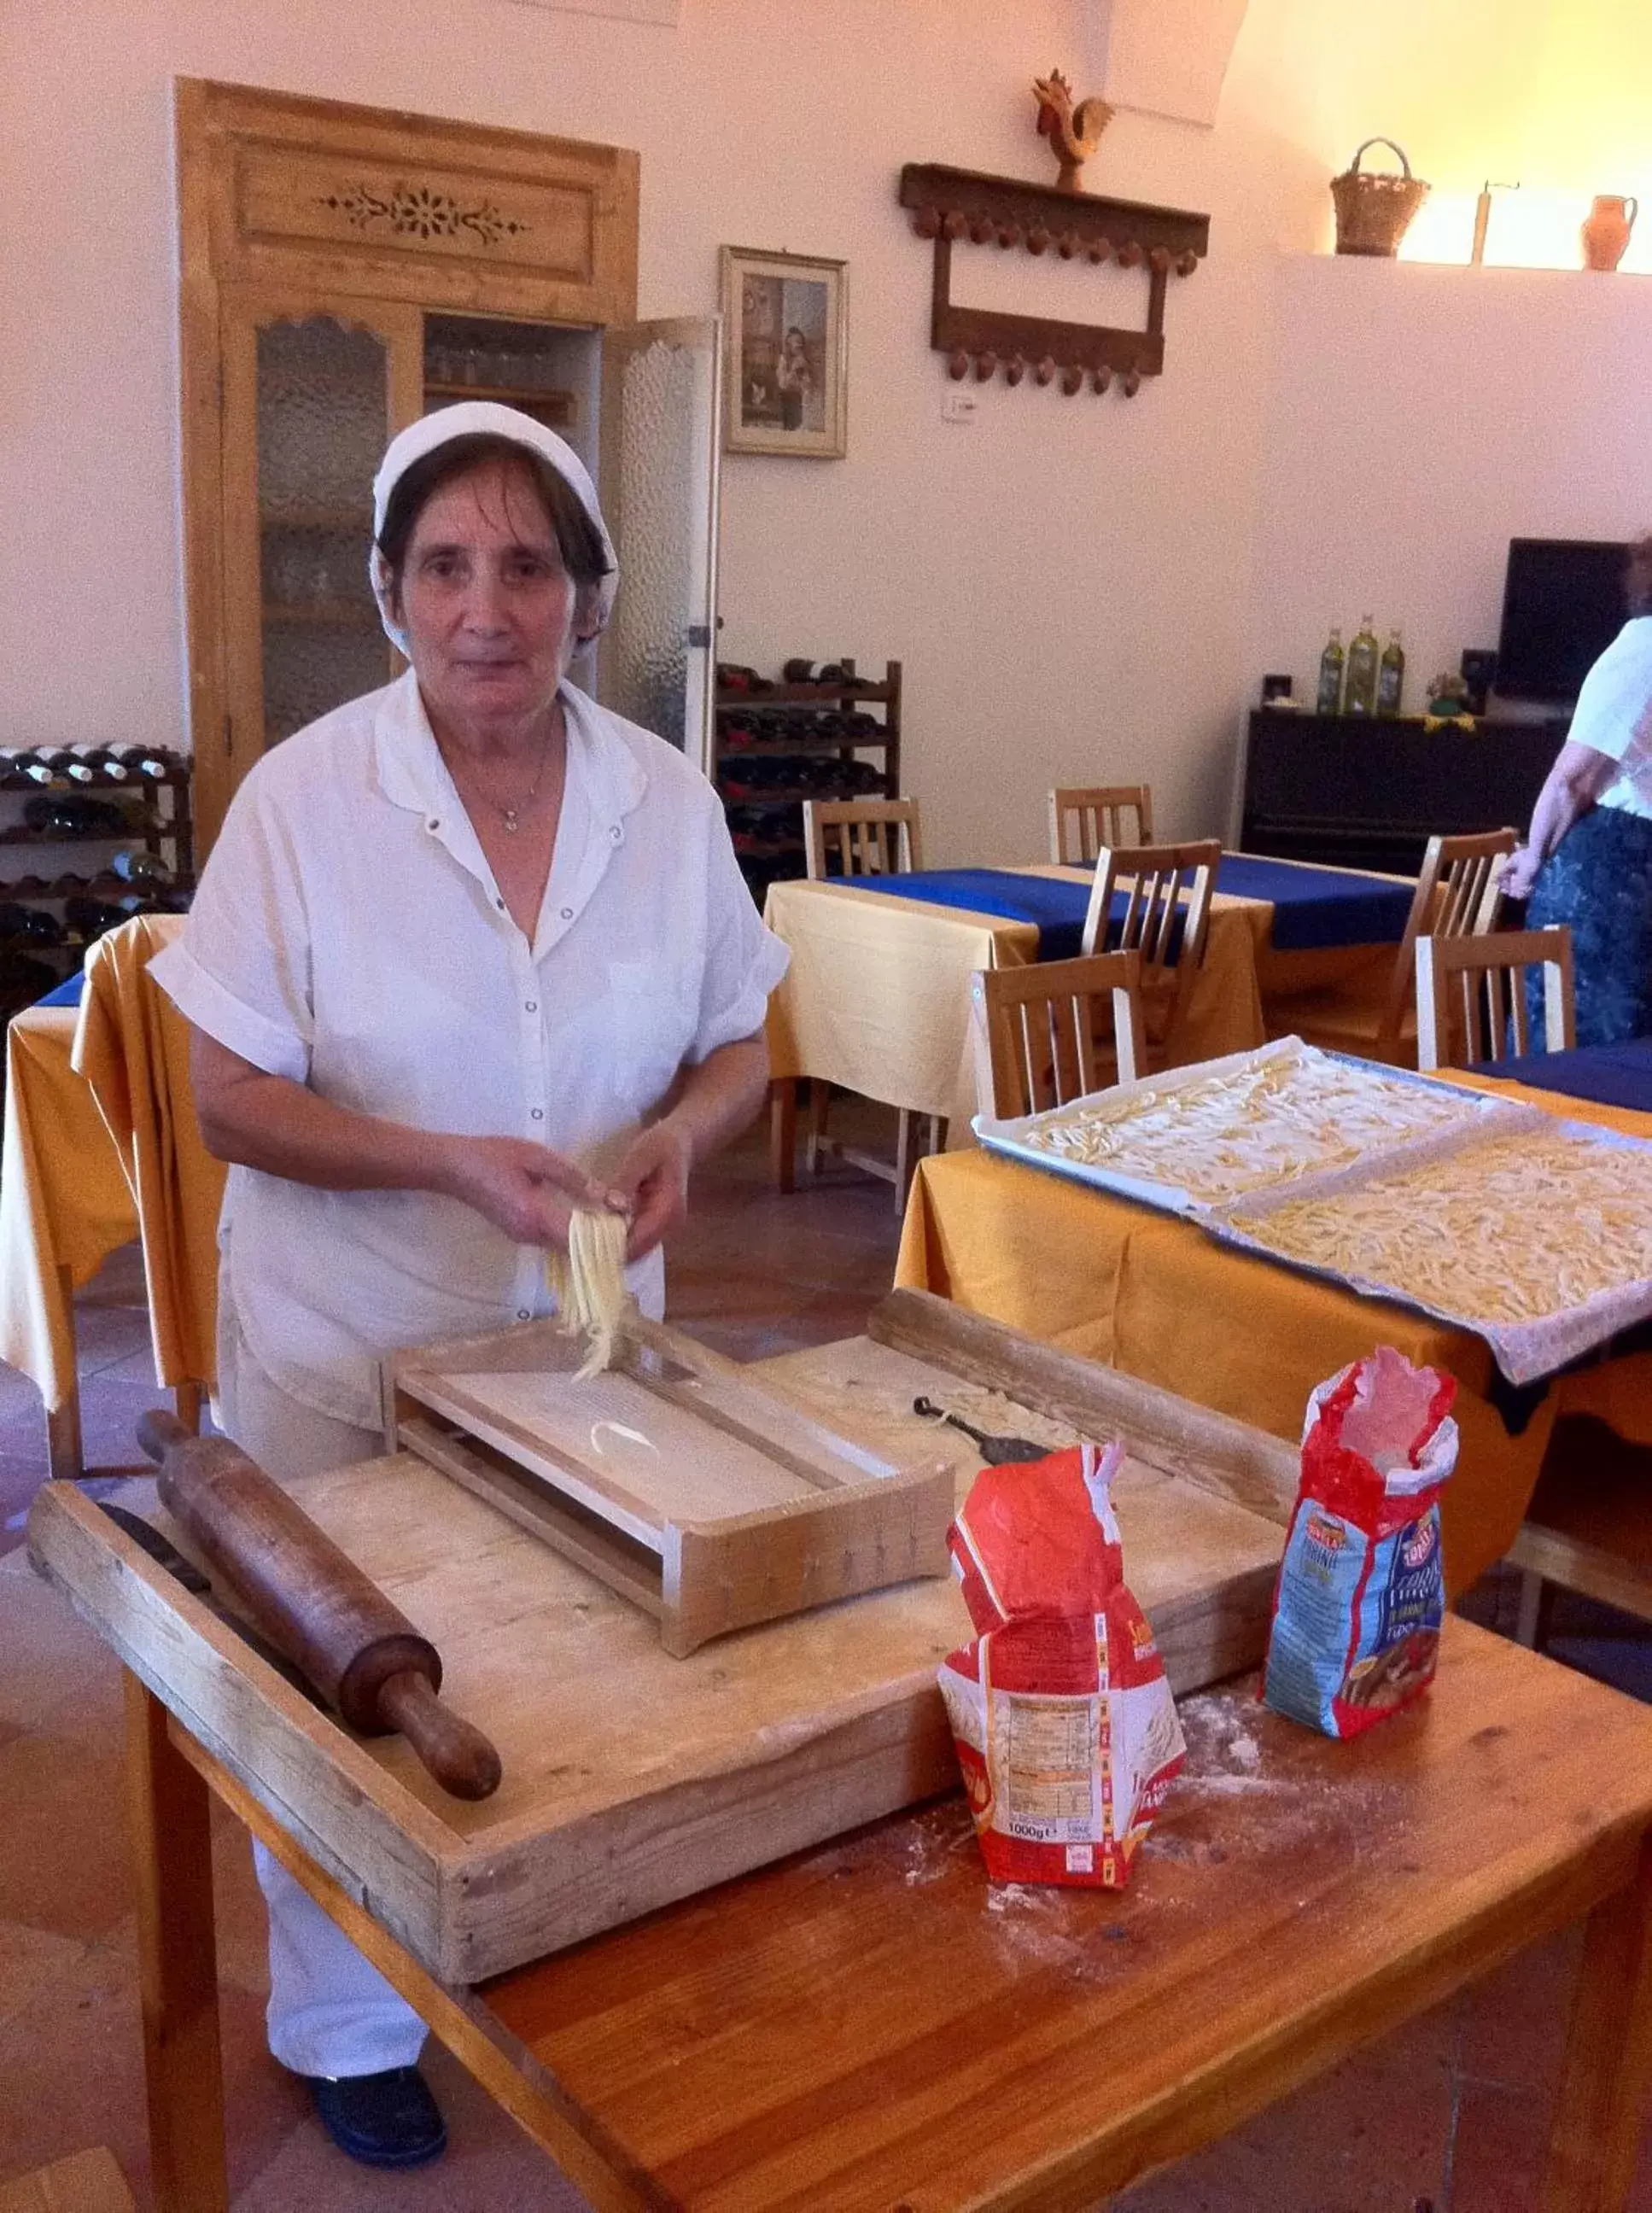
[[1066, 1732], [1361, 1593]]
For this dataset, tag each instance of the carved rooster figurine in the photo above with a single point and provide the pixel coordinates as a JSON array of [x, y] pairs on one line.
[[1073, 132]]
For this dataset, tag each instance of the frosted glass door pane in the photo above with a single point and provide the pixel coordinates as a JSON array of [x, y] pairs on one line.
[[322, 391], [660, 493]]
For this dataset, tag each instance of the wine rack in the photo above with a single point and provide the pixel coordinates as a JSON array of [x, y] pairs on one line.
[[778, 743], [117, 838]]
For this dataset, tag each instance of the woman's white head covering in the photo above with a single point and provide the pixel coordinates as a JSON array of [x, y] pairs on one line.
[[467, 420]]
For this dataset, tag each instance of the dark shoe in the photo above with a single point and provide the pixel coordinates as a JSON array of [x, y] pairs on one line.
[[383, 2121]]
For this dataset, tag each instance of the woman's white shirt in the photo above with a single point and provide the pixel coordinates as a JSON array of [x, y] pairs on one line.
[[348, 934], [1614, 716]]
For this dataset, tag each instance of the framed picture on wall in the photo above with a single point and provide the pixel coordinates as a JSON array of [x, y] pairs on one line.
[[785, 337]]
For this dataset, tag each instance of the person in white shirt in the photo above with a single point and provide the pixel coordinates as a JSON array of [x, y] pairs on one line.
[[468, 952], [1586, 861]]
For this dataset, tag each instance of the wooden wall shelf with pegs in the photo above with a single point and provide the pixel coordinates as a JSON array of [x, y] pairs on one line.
[[951, 206]]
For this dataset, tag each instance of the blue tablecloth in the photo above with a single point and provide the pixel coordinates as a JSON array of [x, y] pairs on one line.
[[1611, 1075], [1312, 907], [67, 993]]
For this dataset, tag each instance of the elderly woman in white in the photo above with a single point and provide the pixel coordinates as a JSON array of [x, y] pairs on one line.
[[469, 951]]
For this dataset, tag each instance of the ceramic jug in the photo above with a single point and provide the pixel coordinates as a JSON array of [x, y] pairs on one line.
[[1605, 235]]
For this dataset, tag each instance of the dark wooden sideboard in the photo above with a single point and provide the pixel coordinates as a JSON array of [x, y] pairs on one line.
[[1369, 794]]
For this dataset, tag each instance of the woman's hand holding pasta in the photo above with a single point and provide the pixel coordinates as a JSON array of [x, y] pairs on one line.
[[524, 1189], [651, 1183]]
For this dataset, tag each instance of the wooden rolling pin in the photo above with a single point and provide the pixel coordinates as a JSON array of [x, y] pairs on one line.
[[314, 1603]]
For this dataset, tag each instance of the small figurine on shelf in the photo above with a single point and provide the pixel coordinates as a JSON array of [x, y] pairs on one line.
[[1073, 132], [1449, 701]]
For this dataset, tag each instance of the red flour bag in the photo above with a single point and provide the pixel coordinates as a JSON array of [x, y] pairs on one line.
[[1361, 1593], [1066, 1728]]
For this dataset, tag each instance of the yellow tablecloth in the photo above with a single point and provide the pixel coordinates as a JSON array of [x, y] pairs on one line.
[[101, 1145], [1156, 1297], [133, 1049], [877, 996], [64, 1205]]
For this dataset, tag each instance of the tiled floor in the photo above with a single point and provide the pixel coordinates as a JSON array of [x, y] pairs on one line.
[[1451, 2113]]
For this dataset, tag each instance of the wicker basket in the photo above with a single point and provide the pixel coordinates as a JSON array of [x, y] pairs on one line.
[[1374, 211]]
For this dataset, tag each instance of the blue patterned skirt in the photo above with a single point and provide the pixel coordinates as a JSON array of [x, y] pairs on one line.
[[1599, 882]]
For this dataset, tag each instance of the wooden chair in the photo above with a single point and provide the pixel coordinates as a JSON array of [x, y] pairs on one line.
[[1167, 890], [1085, 817], [1471, 996], [1036, 1030], [870, 837], [1457, 895]]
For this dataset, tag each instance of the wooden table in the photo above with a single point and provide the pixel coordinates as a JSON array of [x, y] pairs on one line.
[[869, 2026]]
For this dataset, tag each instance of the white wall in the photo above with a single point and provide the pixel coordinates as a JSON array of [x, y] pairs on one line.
[[1068, 581], [1417, 419]]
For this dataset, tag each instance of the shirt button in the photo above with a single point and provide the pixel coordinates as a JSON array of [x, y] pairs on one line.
[[616, 833], [538, 1113], [500, 903], [434, 823], [532, 1006], [524, 1314], [568, 914]]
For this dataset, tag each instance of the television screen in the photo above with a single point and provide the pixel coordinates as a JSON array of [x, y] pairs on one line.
[[1562, 604]]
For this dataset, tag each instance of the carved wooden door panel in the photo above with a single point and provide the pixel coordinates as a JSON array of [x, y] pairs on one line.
[[312, 390]]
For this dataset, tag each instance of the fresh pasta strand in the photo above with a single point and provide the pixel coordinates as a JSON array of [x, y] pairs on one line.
[[589, 1284]]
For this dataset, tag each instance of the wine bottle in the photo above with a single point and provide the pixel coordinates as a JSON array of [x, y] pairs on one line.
[[148, 760], [1391, 676], [1329, 701], [66, 762], [33, 766], [143, 870], [1362, 656], [102, 763], [798, 671]]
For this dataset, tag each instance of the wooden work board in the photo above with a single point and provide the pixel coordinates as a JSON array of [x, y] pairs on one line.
[[632, 1778]]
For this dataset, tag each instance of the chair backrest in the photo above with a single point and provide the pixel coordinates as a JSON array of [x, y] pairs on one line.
[[1041, 1032], [1166, 892], [1084, 818], [1472, 999], [869, 836], [1458, 895]]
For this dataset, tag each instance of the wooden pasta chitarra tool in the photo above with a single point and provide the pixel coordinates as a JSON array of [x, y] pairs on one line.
[[313, 1602]]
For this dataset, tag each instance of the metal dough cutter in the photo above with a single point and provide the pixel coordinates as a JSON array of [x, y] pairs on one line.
[[996, 1452]]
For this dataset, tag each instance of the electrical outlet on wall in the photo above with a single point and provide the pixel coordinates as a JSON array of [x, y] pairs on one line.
[[959, 406]]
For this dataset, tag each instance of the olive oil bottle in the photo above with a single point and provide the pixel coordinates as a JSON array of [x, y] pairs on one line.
[[1391, 676], [1329, 701], [1363, 654]]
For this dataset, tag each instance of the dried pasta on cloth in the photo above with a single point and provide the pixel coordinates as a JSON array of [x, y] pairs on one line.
[[1537, 1237], [589, 1284]]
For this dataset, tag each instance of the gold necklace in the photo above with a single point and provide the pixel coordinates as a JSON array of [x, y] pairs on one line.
[[511, 816]]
